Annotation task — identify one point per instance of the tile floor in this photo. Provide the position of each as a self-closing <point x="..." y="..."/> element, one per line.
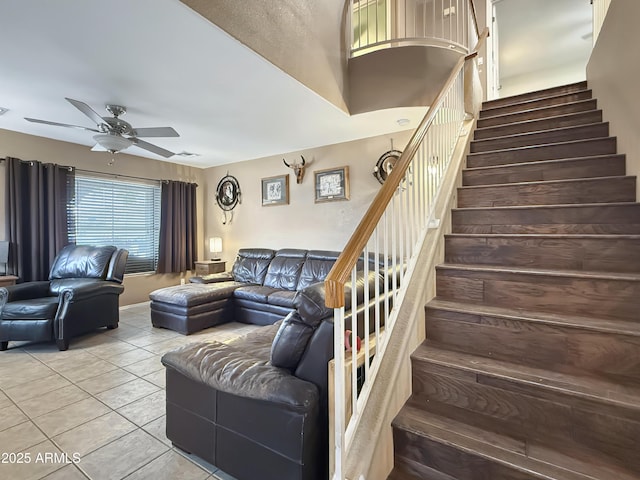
<point x="97" y="410"/>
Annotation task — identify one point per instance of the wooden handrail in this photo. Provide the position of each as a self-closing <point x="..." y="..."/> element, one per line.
<point x="339" y="274"/>
<point x="475" y="18"/>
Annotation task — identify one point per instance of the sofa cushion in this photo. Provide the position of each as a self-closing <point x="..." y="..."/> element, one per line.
<point x="316" y="267"/>
<point x="290" y="342"/>
<point x="255" y="293"/>
<point x="284" y="298"/>
<point x="194" y="294"/>
<point x="284" y="270"/>
<point x="230" y="370"/>
<point x="251" y="265"/>
<point x="43" y="308"/>
<point x="82" y="261"/>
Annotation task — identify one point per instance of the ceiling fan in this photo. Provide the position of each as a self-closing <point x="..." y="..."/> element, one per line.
<point x="113" y="133"/>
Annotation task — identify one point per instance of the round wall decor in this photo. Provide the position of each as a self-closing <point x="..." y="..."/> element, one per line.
<point x="228" y="193"/>
<point x="385" y="164"/>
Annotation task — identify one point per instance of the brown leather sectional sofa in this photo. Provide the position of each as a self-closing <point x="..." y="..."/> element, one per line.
<point x="258" y="407"/>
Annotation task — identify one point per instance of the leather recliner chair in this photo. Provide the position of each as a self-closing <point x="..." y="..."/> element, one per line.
<point x="82" y="294"/>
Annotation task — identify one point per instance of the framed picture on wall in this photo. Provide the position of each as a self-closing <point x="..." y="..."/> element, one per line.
<point x="275" y="190"/>
<point x="332" y="184"/>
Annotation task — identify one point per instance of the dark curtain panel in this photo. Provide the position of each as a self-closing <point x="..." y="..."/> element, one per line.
<point x="178" y="243"/>
<point x="36" y="203"/>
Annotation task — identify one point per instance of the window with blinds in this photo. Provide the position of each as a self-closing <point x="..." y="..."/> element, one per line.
<point x="124" y="213"/>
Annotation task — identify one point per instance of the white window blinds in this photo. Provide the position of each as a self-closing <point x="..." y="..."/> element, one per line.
<point x="124" y="213"/>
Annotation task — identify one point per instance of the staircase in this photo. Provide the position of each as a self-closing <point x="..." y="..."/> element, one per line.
<point x="531" y="366"/>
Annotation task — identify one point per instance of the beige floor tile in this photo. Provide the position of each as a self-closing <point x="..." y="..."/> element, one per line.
<point x="197" y="460"/>
<point x="44" y="458"/>
<point x="127" y="358"/>
<point x="71" y="416"/>
<point x="158" y="378"/>
<point x="123" y="331"/>
<point x="11" y="416"/>
<point x="86" y="370"/>
<point x="145" y="367"/>
<point x="37" y="388"/>
<point x="124" y="394"/>
<point x="158" y="428"/>
<point x="94" y="434"/>
<point x="169" y="466"/>
<point x="106" y="381"/>
<point x="149" y="339"/>
<point x="146" y="409"/>
<point x="161" y="348"/>
<point x="34" y="407"/>
<point x="70" y="472"/>
<point x="123" y="456"/>
<point x="20" y="437"/>
<point x="5" y="401"/>
<point x="110" y="348"/>
<point x="69" y="358"/>
<point x="23" y="374"/>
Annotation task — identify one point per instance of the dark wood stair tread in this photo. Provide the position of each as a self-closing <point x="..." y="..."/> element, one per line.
<point x="533" y="147"/>
<point x="485" y="444"/>
<point x="546" y="182"/>
<point x="543" y="93"/>
<point x="602" y="325"/>
<point x="535" y="103"/>
<point x="483" y="133"/>
<point x="500" y="448"/>
<point x="537" y="113"/>
<point x="542" y="137"/>
<point x="546" y="163"/>
<point x="595" y="389"/>
<point x="633" y="277"/>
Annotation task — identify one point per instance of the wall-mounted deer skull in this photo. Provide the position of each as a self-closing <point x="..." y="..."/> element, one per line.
<point x="298" y="169"/>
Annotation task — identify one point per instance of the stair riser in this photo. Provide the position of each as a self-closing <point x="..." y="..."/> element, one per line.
<point x="608" y="190"/>
<point x="534" y="343"/>
<point x="581" y="148"/>
<point x="571" y="120"/>
<point x="541" y="171"/>
<point x="544" y="102"/>
<point x="450" y="461"/>
<point x="528" y="417"/>
<point x="591" y="254"/>
<point x="608" y="298"/>
<point x="546" y="112"/>
<point x="550" y="92"/>
<point x="582" y="132"/>
<point x="405" y="469"/>
<point x="607" y="219"/>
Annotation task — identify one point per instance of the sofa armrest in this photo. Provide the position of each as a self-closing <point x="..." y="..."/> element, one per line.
<point x="213" y="278"/>
<point x="229" y="370"/>
<point x="86" y="291"/>
<point x="25" y="291"/>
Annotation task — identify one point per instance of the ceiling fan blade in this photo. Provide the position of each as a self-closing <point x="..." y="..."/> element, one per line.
<point x="152" y="148"/>
<point x="155" y="132"/>
<point x="46" y="122"/>
<point x="87" y="110"/>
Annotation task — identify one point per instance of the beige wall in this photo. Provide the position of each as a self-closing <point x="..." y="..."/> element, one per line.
<point x="28" y="147"/>
<point x="303" y="223"/>
<point x="304" y="39"/>
<point x="613" y="72"/>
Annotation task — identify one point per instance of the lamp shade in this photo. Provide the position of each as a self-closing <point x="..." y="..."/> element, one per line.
<point x="215" y="246"/>
<point x="112" y="143"/>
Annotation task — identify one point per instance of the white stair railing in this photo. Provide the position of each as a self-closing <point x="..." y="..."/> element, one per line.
<point x="381" y="256"/>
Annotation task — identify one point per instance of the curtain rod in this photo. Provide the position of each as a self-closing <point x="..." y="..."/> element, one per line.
<point x="116" y="175"/>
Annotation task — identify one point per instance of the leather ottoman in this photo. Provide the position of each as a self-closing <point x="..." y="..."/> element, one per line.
<point x="193" y="307"/>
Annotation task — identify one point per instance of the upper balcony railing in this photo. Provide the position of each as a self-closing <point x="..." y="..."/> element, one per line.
<point x="376" y="24"/>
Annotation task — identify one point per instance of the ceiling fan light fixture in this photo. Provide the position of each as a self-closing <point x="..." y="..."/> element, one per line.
<point x="112" y="143"/>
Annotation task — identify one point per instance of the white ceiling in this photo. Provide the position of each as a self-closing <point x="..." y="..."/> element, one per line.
<point x="227" y="103"/>
<point x="540" y="35"/>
